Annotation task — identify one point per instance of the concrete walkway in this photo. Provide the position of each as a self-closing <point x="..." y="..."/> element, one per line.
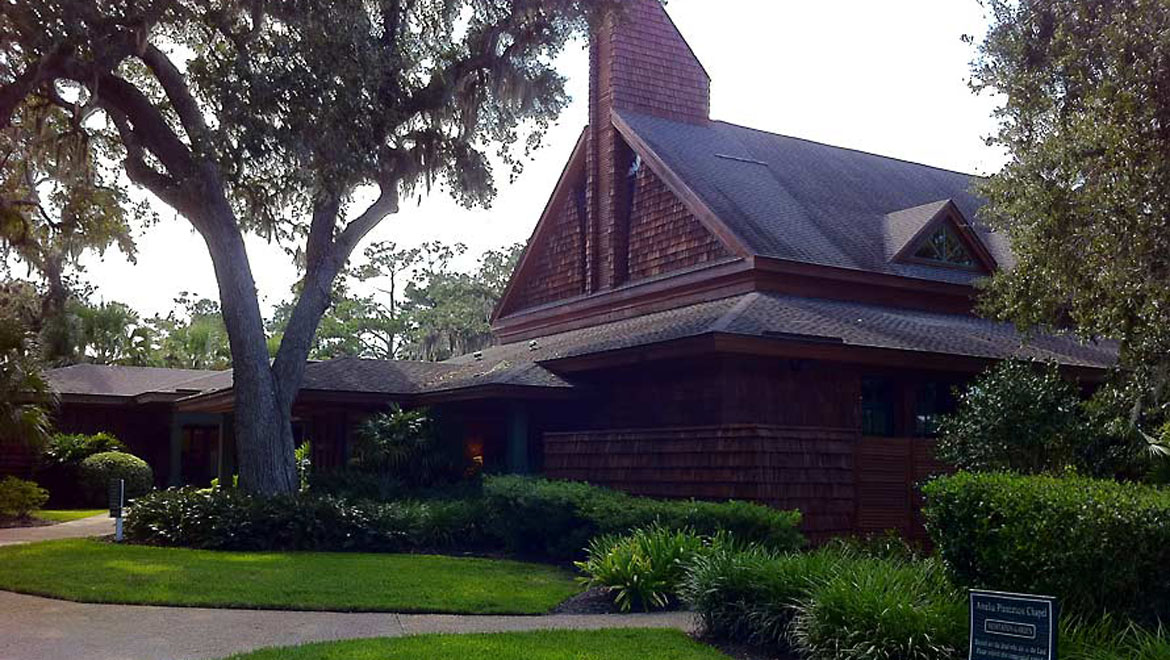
<point x="33" y="628"/>
<point x="99" y="525"/>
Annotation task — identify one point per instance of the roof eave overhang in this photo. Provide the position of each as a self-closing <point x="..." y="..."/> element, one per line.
<point x="828" y="349"/>
<point x="94" y="399"/>
<point x="498" y="391"/>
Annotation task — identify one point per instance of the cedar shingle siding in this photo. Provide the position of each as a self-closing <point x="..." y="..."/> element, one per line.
<point x="556" y="271"/>
<point x="664" y="234"/>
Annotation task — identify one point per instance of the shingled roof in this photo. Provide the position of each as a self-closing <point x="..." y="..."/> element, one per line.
<point x="849" y="324"/>
<point x="808" y="202"/>
<point x="129" y="382"/>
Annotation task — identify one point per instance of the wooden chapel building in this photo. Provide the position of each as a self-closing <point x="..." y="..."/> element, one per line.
<point x="703" y="310"/>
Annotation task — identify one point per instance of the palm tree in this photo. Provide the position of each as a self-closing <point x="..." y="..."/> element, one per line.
<point x="26" y="398"/>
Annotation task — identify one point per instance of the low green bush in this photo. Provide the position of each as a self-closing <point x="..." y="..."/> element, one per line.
<point x="1100" y="546"/>
<point x="750" y="595"/>
<point x="882" y="610"/>
<point x="644" y="568"/>
<point x="60" y="468"/>
<point x="20" y="497"/>
<point x="523" y="515"/>
<point x="219" y="519"/>
<point x="98" y="470"/>
<point x="557" y="519"/>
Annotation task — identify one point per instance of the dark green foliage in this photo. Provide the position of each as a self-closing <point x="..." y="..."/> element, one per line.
<point x="1098" y="545"/>
<point x="557" y="519"/>
<point x="1016" y="416"/>
<point x="354" y="484"/>
<point x="60" y="468"/>
<point x="882" y="610"/>
<point x="404" y="445"/>
<point x="20" y="497"/>
<point x="229" y="519"/>
<point x="76" y="447"/>
<point x="215" y="519"/>
<point x="1085" y="193"/>
<point x="750" y="595"/>
<point x="643" y="569"/>
<point x="270" y="117"/>
<point x="26" y="397"/>
<point x="98" y="470"/>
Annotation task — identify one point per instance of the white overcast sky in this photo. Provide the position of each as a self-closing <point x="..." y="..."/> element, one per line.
<point x="887" y="77"/>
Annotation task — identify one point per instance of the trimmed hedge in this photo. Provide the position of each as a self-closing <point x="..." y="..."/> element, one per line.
<point x="1100" y="546"/>
<point x="522" y="515"/>
<point x="216" y="519"/>
<point x="557" y="519"/>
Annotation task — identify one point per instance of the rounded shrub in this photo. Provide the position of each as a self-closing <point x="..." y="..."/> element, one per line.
<point x="97" y="471"/>
<point x="20" y="497"/>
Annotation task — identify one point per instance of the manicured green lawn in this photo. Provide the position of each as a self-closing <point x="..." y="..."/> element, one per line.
<point x="621" y="644"/>
<point x="65" y="515"/>
<point x="97" y="572"/>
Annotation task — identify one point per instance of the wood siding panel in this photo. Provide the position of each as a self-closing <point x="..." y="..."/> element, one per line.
<point x="810" y="469"/>
<point x="17" y="461"/>
<point x="889" y="475"/>
<point x="557" y="270"/>
<point x="664" y="235"/>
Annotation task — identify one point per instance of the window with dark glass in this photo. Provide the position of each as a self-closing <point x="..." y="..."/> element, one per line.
<point x="877" y="407"/>
<point x="931" y="402"/>
<point x="944" y="247"/>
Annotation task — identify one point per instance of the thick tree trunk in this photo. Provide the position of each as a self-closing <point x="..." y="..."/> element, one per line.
<point x="263" y="420"/>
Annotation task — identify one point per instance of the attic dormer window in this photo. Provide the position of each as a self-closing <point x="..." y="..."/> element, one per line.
<point x="944" y="247"/>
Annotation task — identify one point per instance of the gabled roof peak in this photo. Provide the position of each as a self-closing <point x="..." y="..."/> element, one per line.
<point x="937" y="234"/>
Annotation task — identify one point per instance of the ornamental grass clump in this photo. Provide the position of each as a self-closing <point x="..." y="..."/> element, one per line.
<point x="1109" y="638"/>
<point x="750" y="595"/>
<point x="881" y="610"/>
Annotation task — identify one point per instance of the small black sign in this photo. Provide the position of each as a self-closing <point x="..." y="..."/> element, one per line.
<point x="117" y="493"/>
<point x="1013" y="626"/>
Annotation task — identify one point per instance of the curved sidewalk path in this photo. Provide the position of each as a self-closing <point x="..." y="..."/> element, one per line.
<point x="34" y="628"/>
<point x="99" y="525"/>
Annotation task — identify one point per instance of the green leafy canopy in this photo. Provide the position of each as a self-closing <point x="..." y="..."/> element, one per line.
<point x="1084" y="117"/>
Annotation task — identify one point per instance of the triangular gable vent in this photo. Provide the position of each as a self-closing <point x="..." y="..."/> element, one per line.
<point x="936" y="234"/>
<point x="944" y="247"/>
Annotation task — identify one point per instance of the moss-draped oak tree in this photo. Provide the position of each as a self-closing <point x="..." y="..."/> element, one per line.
<point x="277" y="116"/>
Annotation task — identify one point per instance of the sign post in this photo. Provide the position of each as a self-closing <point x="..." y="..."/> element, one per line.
<point x="117" y="492"/>
<point x="1006" y="626"/>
